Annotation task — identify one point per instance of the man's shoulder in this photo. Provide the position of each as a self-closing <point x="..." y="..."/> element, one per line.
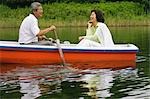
<point x="30" y="17"/>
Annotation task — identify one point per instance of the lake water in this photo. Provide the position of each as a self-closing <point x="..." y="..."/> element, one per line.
<point x="56" y="82"/>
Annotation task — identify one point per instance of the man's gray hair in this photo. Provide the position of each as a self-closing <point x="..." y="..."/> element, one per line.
<point x="34" y="6"/>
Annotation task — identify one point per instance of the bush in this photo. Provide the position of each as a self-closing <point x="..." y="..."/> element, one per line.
<point x="72" y="14"/>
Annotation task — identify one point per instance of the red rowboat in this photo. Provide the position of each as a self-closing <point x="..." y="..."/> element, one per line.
<point x="119" y="54"/>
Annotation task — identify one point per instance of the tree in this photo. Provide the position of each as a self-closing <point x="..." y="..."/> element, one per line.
<point x="146" y="5"/>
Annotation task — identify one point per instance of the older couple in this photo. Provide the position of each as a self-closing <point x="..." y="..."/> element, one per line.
<point x="97" y="33"/>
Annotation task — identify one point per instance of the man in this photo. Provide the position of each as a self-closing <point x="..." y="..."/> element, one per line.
<point x="29" y="32"/>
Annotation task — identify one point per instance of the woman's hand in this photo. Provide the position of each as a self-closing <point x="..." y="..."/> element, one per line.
<point x="81" y="37"/>
<point x="89" y="24"/>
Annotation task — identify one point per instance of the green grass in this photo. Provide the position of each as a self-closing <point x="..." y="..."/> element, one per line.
<point x="75" y="14"/>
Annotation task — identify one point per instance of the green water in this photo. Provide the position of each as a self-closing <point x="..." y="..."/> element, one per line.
<point x="89" y="84"/>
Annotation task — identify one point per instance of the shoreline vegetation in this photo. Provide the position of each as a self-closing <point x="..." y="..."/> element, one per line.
<point x="76" y="14"/>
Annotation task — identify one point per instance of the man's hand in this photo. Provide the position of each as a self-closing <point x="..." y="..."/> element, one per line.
<point x="52" y="28"/>
<point x="40" y="38"/>
<point x="44" y="31"/>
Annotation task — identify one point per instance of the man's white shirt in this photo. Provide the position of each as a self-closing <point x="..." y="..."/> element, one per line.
<point x="29" y="29"/>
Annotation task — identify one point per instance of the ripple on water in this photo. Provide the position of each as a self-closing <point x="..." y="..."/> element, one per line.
<point x="141" y="59"/>
<point x="96" y="83"/>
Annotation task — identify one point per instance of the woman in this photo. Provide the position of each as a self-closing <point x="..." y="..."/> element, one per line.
<point x="97" y="33"/>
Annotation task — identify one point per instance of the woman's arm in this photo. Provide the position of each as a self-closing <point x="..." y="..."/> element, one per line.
<point x="104" y="35"/>
<point x="91" y="35"/>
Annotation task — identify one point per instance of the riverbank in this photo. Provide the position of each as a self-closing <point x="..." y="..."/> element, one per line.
<point x="75" y="14"/>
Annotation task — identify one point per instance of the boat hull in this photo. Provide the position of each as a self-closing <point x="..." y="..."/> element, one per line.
<point x="34" y="55"/>
<point x="38" y="57"/>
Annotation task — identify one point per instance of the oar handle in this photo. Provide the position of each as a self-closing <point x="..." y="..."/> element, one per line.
<point x="56" y="36"/>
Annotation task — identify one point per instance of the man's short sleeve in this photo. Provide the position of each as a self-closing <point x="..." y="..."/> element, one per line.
<point x="34" y="28"/>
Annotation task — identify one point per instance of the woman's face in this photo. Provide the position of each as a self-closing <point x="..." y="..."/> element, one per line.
<point x="93" y="17"/>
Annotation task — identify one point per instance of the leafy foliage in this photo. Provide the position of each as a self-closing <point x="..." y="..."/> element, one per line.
<point x="23" y="3"/>
<point x="76" y="13"/>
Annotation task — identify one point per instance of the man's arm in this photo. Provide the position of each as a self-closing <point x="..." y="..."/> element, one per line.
<point x="43" y="32"/>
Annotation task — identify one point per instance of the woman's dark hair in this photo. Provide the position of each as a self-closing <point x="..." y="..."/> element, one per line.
<point x="99" y="15"/>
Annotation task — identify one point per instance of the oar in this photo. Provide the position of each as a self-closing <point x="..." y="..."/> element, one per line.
<point x="61" y="53"/>
<point x="60" y="49"/>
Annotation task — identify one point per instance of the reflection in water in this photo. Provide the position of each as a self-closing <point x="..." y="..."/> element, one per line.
<point x="92" y="83"/>
<point x="141" y="59"/>
<point x="32" y="81"/>
<point x="29" y="88"/>
<point x="105" y="84"/>
<point x="99" y="84"/>
<point x="53" y="81"/>
<point x="130" y="84"/>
